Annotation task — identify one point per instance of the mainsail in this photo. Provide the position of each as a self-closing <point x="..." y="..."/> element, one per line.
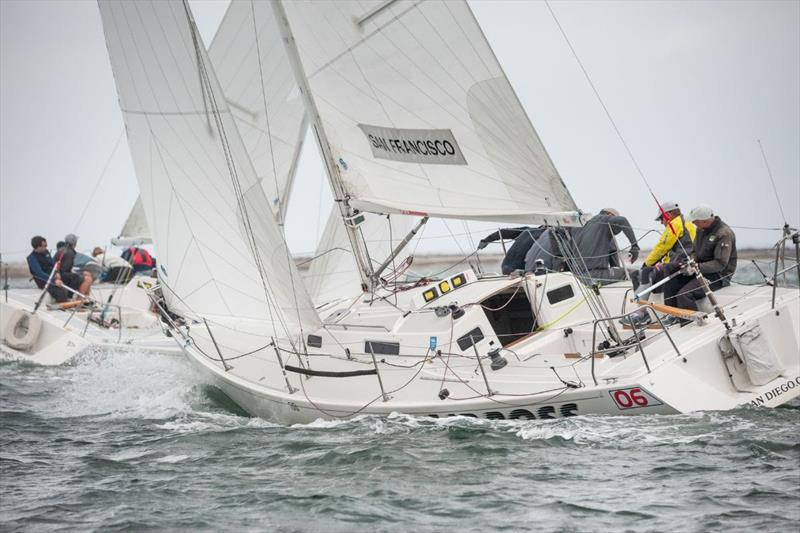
<point x="420" y="117"/>
<point x="221" y="253"/>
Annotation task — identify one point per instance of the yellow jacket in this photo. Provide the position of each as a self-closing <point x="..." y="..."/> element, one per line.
<point x="668" y="241"/>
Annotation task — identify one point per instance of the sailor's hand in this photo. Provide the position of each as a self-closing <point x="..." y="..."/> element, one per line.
<point x="59" y="283"/>
<point x="633" y="253"/>
<point x="687" y="270"/>
<point x="482" y="245"/>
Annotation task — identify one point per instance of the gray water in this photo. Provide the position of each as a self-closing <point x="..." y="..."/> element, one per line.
<point x="132" y="441"/>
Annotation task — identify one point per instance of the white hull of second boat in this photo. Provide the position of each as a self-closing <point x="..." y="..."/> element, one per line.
<point x="65" y="334"/>
<point x="546" y="377"/>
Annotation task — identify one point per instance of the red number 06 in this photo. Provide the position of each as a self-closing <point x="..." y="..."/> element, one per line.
<point x="626" y="400"/>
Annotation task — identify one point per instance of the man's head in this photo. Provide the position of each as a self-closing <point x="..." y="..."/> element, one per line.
<point x="60" y="245"/>
<point x="97" y="251"/>
<point x="671" y="209"/>
<point x="39" y="243"/>
<point x="71" y="239"/>
<point x="702" y="216"/>
<point x="609" y="211"/>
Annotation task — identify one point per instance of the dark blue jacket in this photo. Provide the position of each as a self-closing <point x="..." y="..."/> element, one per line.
<point x="40" y="266"/>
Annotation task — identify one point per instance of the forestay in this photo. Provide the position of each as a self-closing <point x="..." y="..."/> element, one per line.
<point x="220" y="250"/>
<point x="420" y="116"/>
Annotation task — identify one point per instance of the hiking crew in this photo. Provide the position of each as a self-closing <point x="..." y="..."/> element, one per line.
<point x="515" y="255"/>
<point x="597" y="248"/>
<point x="78" y="282"/>
<point x="674" y="246"/>
<point x="716" y="257"/>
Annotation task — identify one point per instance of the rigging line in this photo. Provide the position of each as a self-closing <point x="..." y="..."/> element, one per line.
<point x="266" y="117"/>
<point x="275" y="177"/>
<point x="99" y="180"/>
<point x="564" y="244"/>
<point x="599" y="99"/>
<point x="238" y="193"/>
<point x="391" y="251"/>
<point x="772" y="180"/>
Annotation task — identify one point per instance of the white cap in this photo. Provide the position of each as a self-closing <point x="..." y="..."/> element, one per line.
<point x="701" y="212"/>
<point x="666" y="207"/>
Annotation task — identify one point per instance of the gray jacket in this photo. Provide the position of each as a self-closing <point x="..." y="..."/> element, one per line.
<point x="595" y="240"/>
<point x="542" y="248"/>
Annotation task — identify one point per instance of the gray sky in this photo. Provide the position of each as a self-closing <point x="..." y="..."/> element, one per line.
<point x="691" y="85"/>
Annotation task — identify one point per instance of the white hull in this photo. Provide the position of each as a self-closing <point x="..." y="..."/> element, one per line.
<point x="693" y="378"/>
<point x="65" y="334"/>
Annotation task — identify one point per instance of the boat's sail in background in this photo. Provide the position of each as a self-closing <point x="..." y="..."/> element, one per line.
<point x="419" y="114"/>
<point x="135" y="231"/>
<point x="219" y="247"/>
<point x="333" y="274"/>
<point x="257" y="80"/>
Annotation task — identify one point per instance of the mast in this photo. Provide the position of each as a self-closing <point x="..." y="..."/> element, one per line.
<point x="337" y="184"/>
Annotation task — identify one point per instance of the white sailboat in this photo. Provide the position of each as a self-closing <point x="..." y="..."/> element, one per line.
<point x="122" y="316"/>
<point x="402" y="130"/>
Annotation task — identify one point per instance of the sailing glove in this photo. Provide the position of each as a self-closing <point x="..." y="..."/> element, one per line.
<point x="633" y="253"/>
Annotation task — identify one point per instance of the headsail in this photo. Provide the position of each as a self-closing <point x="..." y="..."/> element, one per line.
<point x="333" y="273"/>
<point x="420" y="117"/>
<point x="220" y="250"/>
<point x="257" y="80"/>
<point x="135" y="231"/>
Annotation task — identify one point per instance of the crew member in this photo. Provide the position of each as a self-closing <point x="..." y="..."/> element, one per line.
<point x="715" y="255"/>
<point x="40" y="265"/>
<point x="115" y="269"/>
<point x="140" y="258"/>
<point x="546" y="252"/>
<point x="515" y="255"/>
<point x="79" y="282"/>
<point x="675" y="245"/>
<point x="597" y="248"/>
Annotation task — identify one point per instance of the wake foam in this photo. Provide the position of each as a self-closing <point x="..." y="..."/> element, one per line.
<point x="127" y="384"/>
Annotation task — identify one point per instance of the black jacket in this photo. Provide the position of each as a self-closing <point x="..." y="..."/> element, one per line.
<point x="523" y="240"/>
<point x="715" y="249"/>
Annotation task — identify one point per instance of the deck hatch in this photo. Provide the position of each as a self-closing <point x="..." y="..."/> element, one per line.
<point x="382" y="347"/>
<point x="560" y="294"/>
<point x="315" y="341"/>
<point x="471" y="337"/>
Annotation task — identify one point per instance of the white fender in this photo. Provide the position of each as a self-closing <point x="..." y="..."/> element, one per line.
<point x="22" y="330"/>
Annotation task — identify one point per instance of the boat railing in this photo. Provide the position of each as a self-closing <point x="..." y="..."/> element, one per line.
<point x="636" y="337"/>
<point x="780" y="257"/>
<point x="91" y="314"/>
